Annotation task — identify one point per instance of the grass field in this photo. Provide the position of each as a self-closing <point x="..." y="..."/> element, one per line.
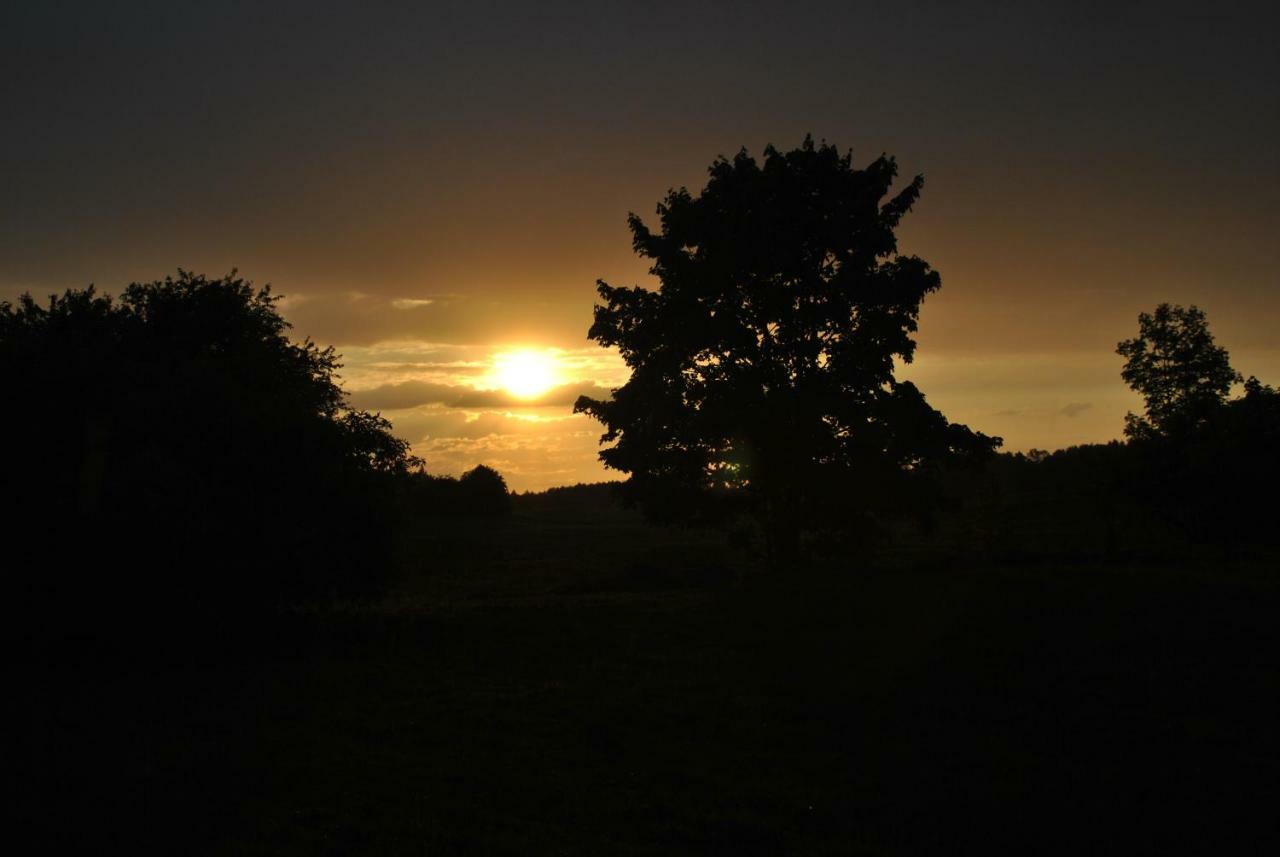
<point x="575" y="682"/>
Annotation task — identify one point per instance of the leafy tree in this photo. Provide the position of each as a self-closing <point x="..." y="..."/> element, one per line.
<point x="175" y="449"/>
<point x="1204" y="463"/>
<point x="762" y="369"/>
<point x="485" y="491"/>
<point x="1179" y="370"/>
<point x="480" y="492"/>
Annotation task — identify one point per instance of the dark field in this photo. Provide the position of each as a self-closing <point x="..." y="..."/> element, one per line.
<point x="570" y="681"/>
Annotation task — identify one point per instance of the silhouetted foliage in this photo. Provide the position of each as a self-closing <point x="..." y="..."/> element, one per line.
<point x="1203" y="463"/>
<point x="584" y="501"/>
<point x="485" y="491"/>
<point x="1249" y="438"/>
<point x="174" y="449"/>
<point x="480" y="492"/>
<point x="1075" y="504"/>
<point x="762" y="369"/>
<point x="1216" y="482"/>
<point x="1179" y="370"/>
<point x="1197" y="470"/>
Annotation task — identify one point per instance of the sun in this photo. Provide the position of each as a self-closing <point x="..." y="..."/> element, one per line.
<point x="525" y="374"/>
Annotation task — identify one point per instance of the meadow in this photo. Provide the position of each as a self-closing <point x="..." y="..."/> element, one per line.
<point x="571" y="680"/>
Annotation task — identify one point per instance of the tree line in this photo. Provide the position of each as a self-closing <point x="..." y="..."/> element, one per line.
<point x="176" y="447"/>
<point x="762" y="386"/>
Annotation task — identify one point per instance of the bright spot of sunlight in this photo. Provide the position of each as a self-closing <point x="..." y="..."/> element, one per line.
<point x="525" y="373"/>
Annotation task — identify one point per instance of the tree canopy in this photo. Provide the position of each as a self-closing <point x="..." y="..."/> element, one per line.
<point x="1183" y="375"/>
<point x="1202" y="461"/>
<point x="763" y="365"/>
<point x="179" y="435"/>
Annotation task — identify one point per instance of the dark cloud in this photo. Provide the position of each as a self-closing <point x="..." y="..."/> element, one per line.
<point x="407" y="394"/>
<point x="433" y="424"/>
<point x="429" y="365"/>
<point x="410" y="394"/>
<point x="362" y="319"/>
<point x="1073" y="409"/>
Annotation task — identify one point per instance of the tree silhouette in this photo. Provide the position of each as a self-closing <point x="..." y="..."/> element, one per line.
<point x="484" y="491"/>
<point x="176" y="449"/>
<point x="1203" y="463"/>
<point x="1179" y="370"/>
<point x="763" y="366"/>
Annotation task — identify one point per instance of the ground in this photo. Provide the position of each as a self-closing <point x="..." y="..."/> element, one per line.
<point x="575" y="682"/>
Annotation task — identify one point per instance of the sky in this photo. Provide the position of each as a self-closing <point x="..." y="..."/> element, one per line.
<point x="434" y="188"/>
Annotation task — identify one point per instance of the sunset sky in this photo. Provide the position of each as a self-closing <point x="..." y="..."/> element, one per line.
<point x="436" y="187"/>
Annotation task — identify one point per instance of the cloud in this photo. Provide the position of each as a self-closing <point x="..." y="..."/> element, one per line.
<point x="406" y="394"/>
<point x="412" y="368"/>
<point x="356" y="318"/>
<point x="428" y="390"/>
<point x="366" y="366"/>
<point x="410" y="394"/>
<point x="434" y="423"/>
<point x="1073" y="409"/>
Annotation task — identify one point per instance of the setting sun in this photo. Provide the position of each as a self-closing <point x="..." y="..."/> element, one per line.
<point x="525" y="374"/>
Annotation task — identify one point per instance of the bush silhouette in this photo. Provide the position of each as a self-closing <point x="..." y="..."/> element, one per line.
<point x="485" y="491"/>
<point x="762" y="369"/>
<point x="174" y="451"/>
<point x="480" y="492"/>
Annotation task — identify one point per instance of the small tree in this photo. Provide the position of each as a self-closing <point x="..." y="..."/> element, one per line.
<point x="484" y="491"/>
<point x="1205" y="464"/>
<point x="1179" y="370"/>
<point x="762" y="368"/>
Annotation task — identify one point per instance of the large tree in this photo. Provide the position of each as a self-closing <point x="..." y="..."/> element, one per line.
<point x="1182" y="374"/>
<point x="762" y="367"/>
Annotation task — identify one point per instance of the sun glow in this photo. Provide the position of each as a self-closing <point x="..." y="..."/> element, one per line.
<point x="525" y="374"/>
